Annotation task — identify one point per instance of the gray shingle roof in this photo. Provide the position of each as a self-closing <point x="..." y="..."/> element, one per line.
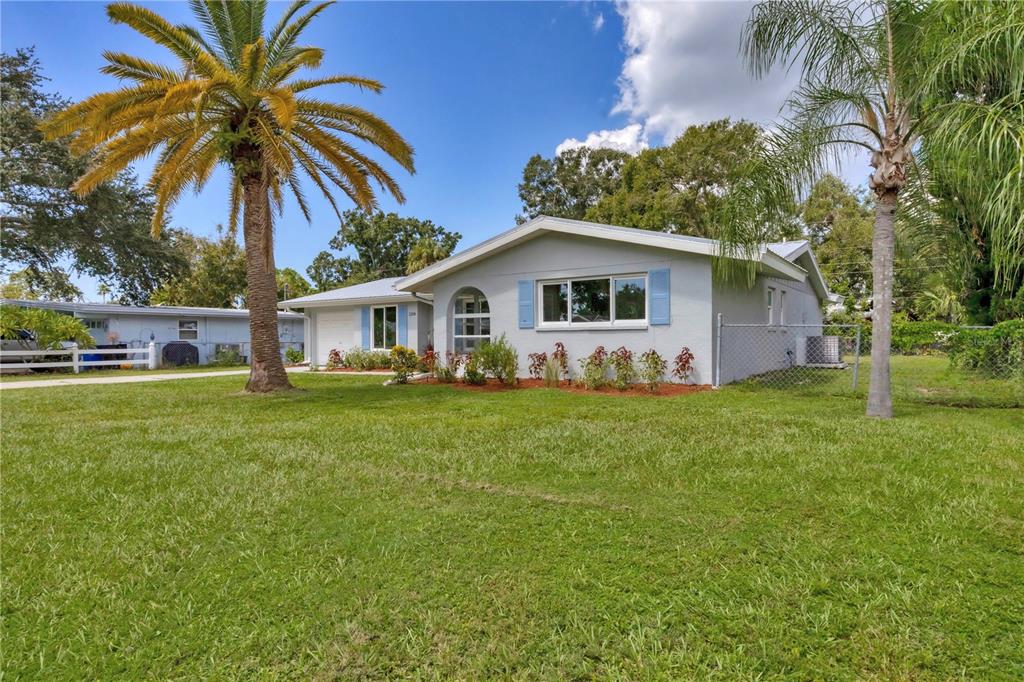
<point x="378" y="289"/>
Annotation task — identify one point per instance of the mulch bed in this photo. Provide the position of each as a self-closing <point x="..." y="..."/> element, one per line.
<point x="349" y="369"/>
<point x="493" y="386"/>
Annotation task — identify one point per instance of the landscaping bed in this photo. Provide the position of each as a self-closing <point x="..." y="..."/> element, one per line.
<point x="493" y="385"/>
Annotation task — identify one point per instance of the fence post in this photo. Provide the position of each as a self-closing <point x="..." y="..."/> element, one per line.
<point x="74" y="360"/>
<point x="152" y="355"/>
<point x="856" y="359"/>
<point x="718" y="354"/>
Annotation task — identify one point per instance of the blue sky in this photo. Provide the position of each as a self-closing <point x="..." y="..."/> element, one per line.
<point x="477" y="88"/>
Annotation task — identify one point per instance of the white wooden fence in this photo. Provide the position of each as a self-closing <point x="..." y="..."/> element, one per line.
<point x="14" y="359"/>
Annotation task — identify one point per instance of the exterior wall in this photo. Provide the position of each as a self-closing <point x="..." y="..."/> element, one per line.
<point x="424" y="327"/>
<point x="551" y="256"/>
<point x="747" y="351"/>
<point x="137" y="330"/>
<point x="341" y="327"/>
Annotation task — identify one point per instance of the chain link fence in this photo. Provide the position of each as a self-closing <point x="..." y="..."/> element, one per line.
<point x="790" y="356"/>
<point x="955" y="366"/>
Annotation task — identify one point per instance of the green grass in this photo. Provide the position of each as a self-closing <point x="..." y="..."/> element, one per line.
<point x="115" y="372"/>
<point x="182" y="530"/>
<point x="924" y="379"/>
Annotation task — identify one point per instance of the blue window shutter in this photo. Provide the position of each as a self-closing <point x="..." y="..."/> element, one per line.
<point x="403" y="325"/>
<point x="526" y="304"/>
<point x="661" y="311"/>
<point x="365" y="311"/>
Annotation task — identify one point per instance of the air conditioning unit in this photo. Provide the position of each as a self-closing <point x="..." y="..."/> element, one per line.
<point x="823" y="351"/>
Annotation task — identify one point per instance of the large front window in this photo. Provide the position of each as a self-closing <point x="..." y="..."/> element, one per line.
<point x="594" y="301"/>
<point x="385" y="327"/>
<point x="472" y="321"/>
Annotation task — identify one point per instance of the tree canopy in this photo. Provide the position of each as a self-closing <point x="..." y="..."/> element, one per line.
<point x="385" y="244"/>
<point x="570" y="184"/>
<point x="676" y="189"/>
<point x="290" y="284"/>
<point x="45" y="225"/>
<point x="214" y="276"/>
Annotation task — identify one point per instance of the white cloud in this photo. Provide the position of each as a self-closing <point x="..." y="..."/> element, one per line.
<point x="683" y="67"/>
<point x="630" y="139"/>
<point x="598" y="21"/>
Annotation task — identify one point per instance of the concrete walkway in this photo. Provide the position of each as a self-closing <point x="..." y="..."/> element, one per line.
<point x="122" y="379"/>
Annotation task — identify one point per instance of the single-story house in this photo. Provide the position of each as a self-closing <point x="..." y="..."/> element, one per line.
<point x="578" y="283"/>
<point x="374" y="316"/>
<point x="207" y="329"/>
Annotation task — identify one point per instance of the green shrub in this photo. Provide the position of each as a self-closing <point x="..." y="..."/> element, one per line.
<point x="474" y="373"/>
<point x="294" y="355"/>
<point x="364" y="360"/>
<point x="625" y="371"/>
<point x="403" y="362"/>
<point x="999" y="350"/>
<point x="652" y="369"/>
<point x="593" y="369"/>
<point x="499" y="359"/>
<point x="226" y="357"/>
<point x="49" y="328"/>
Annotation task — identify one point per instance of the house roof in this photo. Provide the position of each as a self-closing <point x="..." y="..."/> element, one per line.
<point x="377" y="291"/>
<point x="801" y="253"/>
<point x="770" y="261"/>
<point x="115" y="309"/>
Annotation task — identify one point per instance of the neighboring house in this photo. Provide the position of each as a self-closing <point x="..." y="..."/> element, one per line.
<point x="584" y="285"/>
<point x="373" y="316"/>
<point x="208" y="329"/>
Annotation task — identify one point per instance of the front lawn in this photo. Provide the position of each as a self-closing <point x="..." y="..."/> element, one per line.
<point x="350" y="530"/>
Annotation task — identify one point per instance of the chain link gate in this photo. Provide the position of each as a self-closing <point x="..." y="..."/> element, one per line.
<point x="820" y="357"/>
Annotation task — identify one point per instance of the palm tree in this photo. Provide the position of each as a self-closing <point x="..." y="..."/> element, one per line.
<point x="870" y="79"/>
<point x="234" y="98"/>
<point x="103" y="290"/>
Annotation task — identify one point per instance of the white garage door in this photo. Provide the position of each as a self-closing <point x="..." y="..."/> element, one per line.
<point x="334" y="329"/>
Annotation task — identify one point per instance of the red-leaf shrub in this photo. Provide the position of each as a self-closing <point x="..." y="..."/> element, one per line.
<point x="683" y="365"/>
<point x="429" y="359"/>
<point x="333" y="358"/>
<point x="537" y="362"/>
<point x="561" y="357"/>
<point x="622" y="363"/>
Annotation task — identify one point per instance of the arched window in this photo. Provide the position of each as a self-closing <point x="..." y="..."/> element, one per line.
<point x="472" y="320"/>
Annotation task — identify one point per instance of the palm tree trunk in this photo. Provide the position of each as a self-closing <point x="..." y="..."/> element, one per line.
<point x="883" y="247"/>
<point x="267" y="370"/>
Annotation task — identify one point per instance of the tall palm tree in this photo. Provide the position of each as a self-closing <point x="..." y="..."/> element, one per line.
<point x="870" y="76"/>
<point x="234" y="98"/>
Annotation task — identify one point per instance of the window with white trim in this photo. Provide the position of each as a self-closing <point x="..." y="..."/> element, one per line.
<point x="385" y="327"/>
<point x="94" y="324"/>
<point x="782" y="306"/>
<point x="771" y="305"/>
<point x="471" y="321"/>
<point x="188" y="330"/>
<point x="594" y="301"/>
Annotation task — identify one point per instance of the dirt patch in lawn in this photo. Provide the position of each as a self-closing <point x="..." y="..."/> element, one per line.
<point x="493" y="386"/>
